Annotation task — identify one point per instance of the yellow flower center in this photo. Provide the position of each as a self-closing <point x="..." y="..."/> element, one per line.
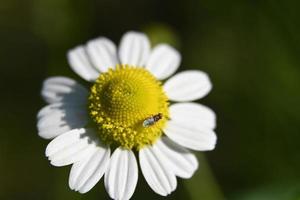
<point x="129" y="107"/>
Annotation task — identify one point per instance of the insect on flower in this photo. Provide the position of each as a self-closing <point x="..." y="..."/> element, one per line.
<point x="122" y="83"/>
<point x="152" y="120"/>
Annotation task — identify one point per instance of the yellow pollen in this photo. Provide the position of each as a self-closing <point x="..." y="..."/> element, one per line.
<point x="122" y="101"/>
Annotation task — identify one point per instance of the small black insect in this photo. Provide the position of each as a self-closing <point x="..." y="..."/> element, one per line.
<point x="152" y="120"/>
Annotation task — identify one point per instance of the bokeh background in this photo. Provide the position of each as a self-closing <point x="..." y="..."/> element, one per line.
<point x="250" y="49"/>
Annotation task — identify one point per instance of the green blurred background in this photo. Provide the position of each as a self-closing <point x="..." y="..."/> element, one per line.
<point x="250" y="49"/>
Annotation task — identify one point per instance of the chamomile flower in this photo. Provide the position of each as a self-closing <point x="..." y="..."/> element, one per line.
<point x="127" y="111"/>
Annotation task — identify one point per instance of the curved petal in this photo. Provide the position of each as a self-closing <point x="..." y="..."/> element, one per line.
<point x="193" y="113"/>
<point x="103" y="53"/>
<point x="86" y="173"/>
<point x="61" y="89"/>
<point x="182" y="162"/>
<point x="122" y="175"/>
<point x="159" y="177"/>
<point x="191" y="136"/>
<point x="80" y="63"/>
<point x="134" y="49"/>
<point x="70" y="147"/>
<point x="164" y="60"/>
<point x="188" y="86"/>
<point x="59" y="118"/>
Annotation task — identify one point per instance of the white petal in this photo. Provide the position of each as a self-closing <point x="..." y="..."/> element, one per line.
<point x="193" y="113"/>
<point x="134" y="49"/>
<point x="164" y="60"/>
<point x="80" y="63"/>
<point x="71" y="147"/>
<point x="62" y="89"/>
<point x="122" y="175"/>
<point x="59" y="118"/>
<point x="103" y="53"/>
<point x="159" y="177"/>
<point x="86" y="173"/>
<point x="188" y="86"/>
<point x="191" y="136"/>
<point x="181" y="161"/>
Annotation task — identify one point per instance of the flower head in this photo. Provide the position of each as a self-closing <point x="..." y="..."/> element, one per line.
<point x="126" y="109"/>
